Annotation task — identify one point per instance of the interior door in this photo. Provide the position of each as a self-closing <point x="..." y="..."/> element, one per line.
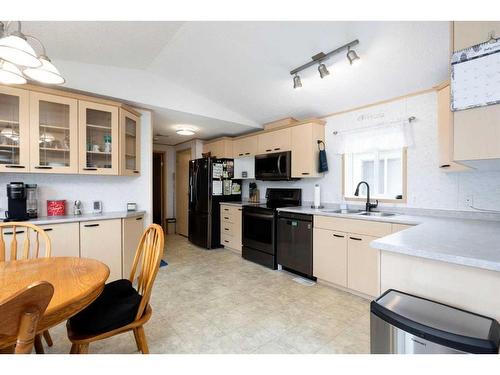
<point x="182" y="191"/>
<point x="158" y="190"/>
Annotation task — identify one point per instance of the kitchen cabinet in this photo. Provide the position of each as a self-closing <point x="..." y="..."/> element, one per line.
<point x="130" y="144"/>
<point x="14" y="129"/>
<point x="247" y="146"/>
<point x="64" y="239"/>
<point x="132" y="229"/>
<point x="274" y="141"/>
<point x="476" y="130"/>
<point x="304" y="144"/>
<point x="363" y="265"/>
<point x="102" y="240"/>
<point x="231" y="227"/>
<point x="445" y="133"/>
<point x="221" y="148"/>
<point x="330" y="256"/>
<point x="53" y="133"/>
<point x="98" y="138"/>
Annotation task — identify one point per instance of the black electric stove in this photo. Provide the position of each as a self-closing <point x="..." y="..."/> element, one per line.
<point x="259" y="225"/>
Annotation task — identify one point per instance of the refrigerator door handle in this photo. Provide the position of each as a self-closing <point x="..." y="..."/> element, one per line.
<point x="279" y="164"/>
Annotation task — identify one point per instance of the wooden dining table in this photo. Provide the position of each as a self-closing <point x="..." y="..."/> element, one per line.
<point x="77" y="282"/>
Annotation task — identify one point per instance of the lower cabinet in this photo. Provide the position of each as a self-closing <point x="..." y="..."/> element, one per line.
<point x="230" y="227"/>
<point x="64" y="239"/>
<point x="132" y="229"/>
<point x="363" y="265"/>
<point x="330" y="256"/>
<point x="102" y="240"/>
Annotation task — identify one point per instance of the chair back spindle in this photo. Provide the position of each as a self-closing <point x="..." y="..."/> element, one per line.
<point x="30" y="242"/>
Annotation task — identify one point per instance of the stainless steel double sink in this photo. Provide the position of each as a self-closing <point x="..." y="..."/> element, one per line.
<point x="360" y="213"/>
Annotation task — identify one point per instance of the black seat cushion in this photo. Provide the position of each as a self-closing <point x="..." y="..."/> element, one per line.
<point x="115" y="307"/>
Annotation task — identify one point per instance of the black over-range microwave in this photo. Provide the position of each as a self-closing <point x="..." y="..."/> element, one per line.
<point x="273" y="167"/>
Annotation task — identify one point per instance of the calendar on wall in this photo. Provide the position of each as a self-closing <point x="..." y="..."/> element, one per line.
<point x="475" y="76"/>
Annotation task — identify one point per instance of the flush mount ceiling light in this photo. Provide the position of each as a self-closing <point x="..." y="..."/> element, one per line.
<point x="15" y="49"/>
<point x="185" y="131"/>
<point x="320" y="57"/>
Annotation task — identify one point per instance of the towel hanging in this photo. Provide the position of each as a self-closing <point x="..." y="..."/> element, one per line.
<point x="323" y="161"/>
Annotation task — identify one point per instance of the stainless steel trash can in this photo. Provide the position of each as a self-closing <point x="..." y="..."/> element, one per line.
<point x="402" y="323"/>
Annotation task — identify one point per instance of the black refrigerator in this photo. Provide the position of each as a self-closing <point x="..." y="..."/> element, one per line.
<point x="210" y="183"/>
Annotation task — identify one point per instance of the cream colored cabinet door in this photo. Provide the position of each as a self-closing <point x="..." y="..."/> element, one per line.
<point x="305" y="149"/>
<point x="468" y="33"/>
<point x="101" y="240"/>
<point x="53" y="133"/>
<point x="363" y="265"/>
<point x="222" y="148"/>
<point x="330" y="256"/>
<point x="245" y="147"/>
<point x="445" y="133"/>
<point x="132" y="229"/>
<point x="98" y="138"/>
<point x="64" y="239"/>
<point x="274" y="141"/>
<point x="130" y="144"/>
<point x="14" y="130"/>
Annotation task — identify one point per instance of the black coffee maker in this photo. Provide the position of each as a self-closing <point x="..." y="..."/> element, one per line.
<point x="16" y="194"/>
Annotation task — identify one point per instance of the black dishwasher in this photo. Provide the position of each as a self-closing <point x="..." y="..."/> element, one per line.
<point x="295" y="243"/>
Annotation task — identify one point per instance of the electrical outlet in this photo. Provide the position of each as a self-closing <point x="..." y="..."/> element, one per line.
<point x="469" y="200"/>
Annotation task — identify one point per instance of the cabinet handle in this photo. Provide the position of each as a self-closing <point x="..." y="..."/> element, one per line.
<point x="17" y="232"/>
<point x="356" y="238"/>
<point x="305" y="173"/>
<point x="445" y="166"/>
<point x="90" y="169"/>
<point x="239" y="209"/>
<point x="226" y="218"/>
<point x="226" y="228"/>
<point x="15" y="166"/>
<point x="247" y="153"/>
<point x="43" y="167"/>
<point x="241" y="154"/>
<point x="338" y="236"/>
<point x="91" y="225"/>
<point x="48" y="229"/>
<point x="226" y="209"/>
<point x="277" y="149"/>
<point x="139" y="218"/>
<point x="269" y="150"/>
<point x="226" y="241"/>
<point x="136" y="171"/>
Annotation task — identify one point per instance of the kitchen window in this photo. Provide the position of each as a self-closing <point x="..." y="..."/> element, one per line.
<point x="384" y="170"/>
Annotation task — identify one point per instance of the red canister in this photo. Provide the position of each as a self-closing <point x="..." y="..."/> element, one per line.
<point x="56" y="208"/>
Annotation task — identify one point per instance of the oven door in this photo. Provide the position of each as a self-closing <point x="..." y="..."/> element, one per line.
<point x="273" y="167"/>
<point x="258" y="229"/>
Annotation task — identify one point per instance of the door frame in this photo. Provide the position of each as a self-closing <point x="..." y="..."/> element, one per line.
<point x="177" y="152"/>
<point x="163" y="188"/>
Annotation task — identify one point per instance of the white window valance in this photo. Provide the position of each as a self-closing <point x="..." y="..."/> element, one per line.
<point x="382" y="136"/>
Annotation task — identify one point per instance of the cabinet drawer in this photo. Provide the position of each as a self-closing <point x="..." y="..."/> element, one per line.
<point x="231" y="214"/>
<point x="227" y="228"/>
<point x="370" y="228"/>
<point x="231" y="242"/>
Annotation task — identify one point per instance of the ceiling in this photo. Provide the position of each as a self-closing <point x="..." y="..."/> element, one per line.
<point x="244" y="66"/>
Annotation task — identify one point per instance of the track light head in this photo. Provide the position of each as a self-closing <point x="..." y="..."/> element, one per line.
<point x="352" y="56"/>
<point x="323" y="72"/>
<point x="297" y="82"/>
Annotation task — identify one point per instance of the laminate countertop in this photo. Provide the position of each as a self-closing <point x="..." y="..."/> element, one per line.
<point x="467" y="242"/>
<point x="44" y="220"/>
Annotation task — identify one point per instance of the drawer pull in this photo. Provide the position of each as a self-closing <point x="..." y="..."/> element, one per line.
<point x="445" y="166"/>
<point x="225" y="217"/>
<point x="226" y="241"/>
<point x="277" y="149"/>
<point x="305" y="173"/>
<point x="338" y="236"/>
<point x="17" y="232"/>
<point x="136" y="171"/>
<point x="91" y="225"/>
<point x="241" y="154"/>
<point x="247" y="153"/>
<point x="138" y="218"/>
<point x="48" y="229"/>
<point x="43" y="167"/>
<point x="226" y="209"/>
<point x="90" y="169"/>
<point x="356" y="238"/>
<point x="226" y="228"/>
<point x="15" y="166"/>
<point x="269" y="150"/>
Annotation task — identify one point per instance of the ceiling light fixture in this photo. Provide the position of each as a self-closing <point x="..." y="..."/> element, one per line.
<point x="320" y="58"/>
<point x="352" y="56"/>
<point x="323" y="72"/>
<point x="15" y="49"/>
<point x="297" y="82"/>
<point x="10" y="74"/>
<point x="185" y="131"/>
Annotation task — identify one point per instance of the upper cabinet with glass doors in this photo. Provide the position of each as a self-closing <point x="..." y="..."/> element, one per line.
<point x="98" y="138"/>
<point x="14" y="130"/>
<point x="130" y="140"/>
<point x="53" y="133"/>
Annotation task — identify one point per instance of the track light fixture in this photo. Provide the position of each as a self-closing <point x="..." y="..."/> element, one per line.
<point x="296" y="82"/>
<point x="320" y="57"/>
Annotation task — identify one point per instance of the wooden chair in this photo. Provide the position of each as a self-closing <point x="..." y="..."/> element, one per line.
<point x="31" y="236"/>
<point x="20" y="315"/>
<point x="146" y="265"/>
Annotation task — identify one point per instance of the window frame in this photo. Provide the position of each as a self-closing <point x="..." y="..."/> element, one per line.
<point x="404" y="164"/>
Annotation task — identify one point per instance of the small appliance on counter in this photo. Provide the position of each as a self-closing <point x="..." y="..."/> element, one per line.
<point x="77" y="208"/>
<point x="56" y="207"/>
<point x="31" y="201"/>
<point x="16" y="195"/>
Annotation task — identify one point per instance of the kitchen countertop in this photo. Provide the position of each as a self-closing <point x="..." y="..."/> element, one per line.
<point x="238" y="204"/>
<point x="44" y="220"/>
<point x="468" y="242"/>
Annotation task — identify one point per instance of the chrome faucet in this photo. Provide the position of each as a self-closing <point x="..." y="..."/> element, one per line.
<point x="369" y="205"/>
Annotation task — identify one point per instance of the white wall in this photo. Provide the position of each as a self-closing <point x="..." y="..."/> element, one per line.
<point x="114" y="191"/>
<point x="428" y="186"/>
